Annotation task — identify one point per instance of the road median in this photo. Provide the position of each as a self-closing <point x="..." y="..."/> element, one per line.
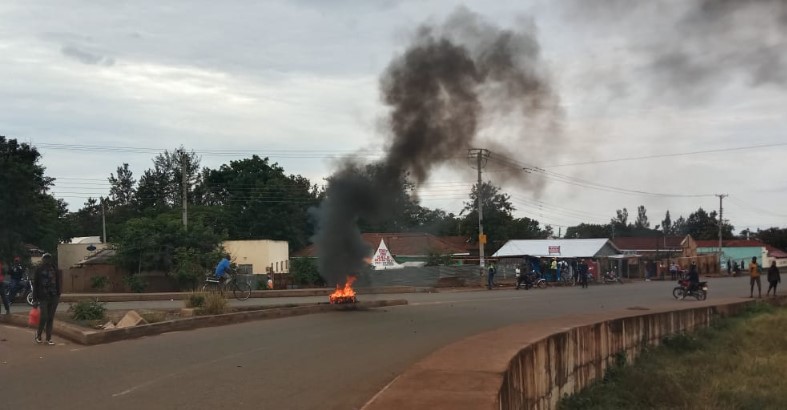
<point x="85" y="336"/>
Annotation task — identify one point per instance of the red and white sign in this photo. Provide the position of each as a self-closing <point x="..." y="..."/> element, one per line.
<point x="554" y="250"/>
<point x="383" y="259"/>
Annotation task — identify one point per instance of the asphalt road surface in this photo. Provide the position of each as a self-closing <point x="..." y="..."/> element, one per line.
<point x="324" y="361"/>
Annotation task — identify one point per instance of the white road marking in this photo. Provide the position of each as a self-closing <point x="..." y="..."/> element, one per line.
<point x="369" y="403"/>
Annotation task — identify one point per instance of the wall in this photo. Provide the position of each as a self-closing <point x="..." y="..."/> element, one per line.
<point x="261" y="254"/>
<point x="69" y="254"/>
<point x="532" y="365"/>
<point x="739" y="253"/>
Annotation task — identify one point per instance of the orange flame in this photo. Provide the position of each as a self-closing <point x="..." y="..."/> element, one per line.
<point x="345" y="294"/>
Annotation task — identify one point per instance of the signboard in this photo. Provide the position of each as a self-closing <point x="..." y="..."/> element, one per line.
<point x="383" y="259"/>
<point x="554" y="250"/>
<point x="482" y="238"/>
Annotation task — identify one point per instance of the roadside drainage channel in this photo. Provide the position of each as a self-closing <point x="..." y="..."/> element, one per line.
<point x="93" y="337"/>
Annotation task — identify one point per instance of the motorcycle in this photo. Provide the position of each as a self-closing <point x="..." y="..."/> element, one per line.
<point x="25" y="290"/>
<point x="611" y="277"/>
<point x="683" y="290"/>
<point x="529" y="280"/>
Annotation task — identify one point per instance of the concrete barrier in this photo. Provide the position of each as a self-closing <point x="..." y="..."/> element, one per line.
<point x="531" y="366"/>
<point x="92" y="337"/>
<point x="133" y="297"/>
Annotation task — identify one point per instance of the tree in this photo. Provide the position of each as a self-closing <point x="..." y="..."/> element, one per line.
<point x="589" y="231"/>
<point x="621" y="218"/>
<point x="161" y="187"/>
<point x="703" y="226"/>
<point x="499" y="223"/>
<point x="121" y="191"/>
<point x="666" y="225"/>
<point x="161" y="244"/>
<point x="642" y="218"/>
<point x="776" y="237"/>
<point x="257" y="200"/>
<point x="87" y="220"/>
<point x="28" y="213"/>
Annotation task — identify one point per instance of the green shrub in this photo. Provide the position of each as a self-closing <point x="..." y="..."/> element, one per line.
<point x="215" y="304"/>
<point x="99" y="282"/>
<point x="136" y="283"/>
<point x="305" y="273"/>
<point x="196" y="300"/>
<point x="153" y="316"/>
<point x="87" y="309"/>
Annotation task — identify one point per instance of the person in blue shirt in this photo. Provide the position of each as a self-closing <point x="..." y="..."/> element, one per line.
<point x="223" y="267"/>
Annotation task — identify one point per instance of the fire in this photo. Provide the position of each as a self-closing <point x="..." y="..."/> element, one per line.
<point x="345" y="294"/>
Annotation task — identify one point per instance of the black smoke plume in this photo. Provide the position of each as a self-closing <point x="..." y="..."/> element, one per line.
<point x="452" y="82"/>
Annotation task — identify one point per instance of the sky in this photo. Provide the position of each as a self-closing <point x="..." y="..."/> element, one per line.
<point x="97" y="84"/>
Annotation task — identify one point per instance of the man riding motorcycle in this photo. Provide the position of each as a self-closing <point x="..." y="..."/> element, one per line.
<point x="693" y="277"/>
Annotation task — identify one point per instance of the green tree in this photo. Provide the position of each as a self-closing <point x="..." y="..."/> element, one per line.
<point x="776" y="237"/>
<point x="259" y="201"/>
<point x="642" y="218"/>
<point x="586" y="231"/>
<point x="122" y="188"/>
<point x="703" y="226"/>
<point x="305" y="273"/>
<point x="161" y="187"/>
<point x="666" y="225"/>
<point x="28" y="213"/>
<point x="160" y="243"/>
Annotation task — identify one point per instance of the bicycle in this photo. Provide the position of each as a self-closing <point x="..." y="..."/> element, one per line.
<point x="241" y="290"/>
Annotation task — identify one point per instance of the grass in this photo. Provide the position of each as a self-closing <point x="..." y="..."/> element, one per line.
<point x="737" y="363"/>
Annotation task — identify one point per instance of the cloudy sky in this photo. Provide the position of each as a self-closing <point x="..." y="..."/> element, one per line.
<point x="97" y="84"/>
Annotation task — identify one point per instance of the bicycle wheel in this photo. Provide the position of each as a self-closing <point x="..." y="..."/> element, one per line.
<point x="211" y="287"/>
<point x="241" y="290"/>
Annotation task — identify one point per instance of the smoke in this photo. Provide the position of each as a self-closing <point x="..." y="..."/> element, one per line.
<point x="450" y="86"/>
<point x="693" y="48"/>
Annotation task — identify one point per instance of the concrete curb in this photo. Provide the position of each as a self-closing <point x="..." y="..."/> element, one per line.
<point x="532" y="365"/>
<point x="93" y="337"/>
<point x="144" y="297"/>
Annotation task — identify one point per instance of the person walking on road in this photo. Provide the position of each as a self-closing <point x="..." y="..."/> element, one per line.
<point x="774" y="277"/>
<point x="6" y="305"/>
<point x="490" y="277"/>
<point x="47" y="287"/>
<point x="754" y="277"/>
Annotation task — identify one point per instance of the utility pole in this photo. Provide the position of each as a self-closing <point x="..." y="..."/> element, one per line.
<point x="721" y="221"/>
<point x="103" y="222"/>
<point x="480" y="155"/>
<point x="183" y="171"/>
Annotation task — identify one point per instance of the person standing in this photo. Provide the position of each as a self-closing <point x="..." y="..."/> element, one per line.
<point x="754" y="277"/>
<point x="47" y="287"/>
<point x="774" y="277"/>
<point x="2" y="292"/>
<point x="490" y="277"/>
<point x="582" y="271"/>
<point x="553" y="269"/>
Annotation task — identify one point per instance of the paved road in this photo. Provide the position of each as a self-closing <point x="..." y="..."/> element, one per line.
<point x="327" y="361"/>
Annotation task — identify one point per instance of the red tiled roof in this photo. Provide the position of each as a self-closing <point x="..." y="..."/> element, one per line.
<point x="401" y="244"/>
<point x="643" y="243"/>
<point x="775" y="252"/>
<point x="730" y="243"/>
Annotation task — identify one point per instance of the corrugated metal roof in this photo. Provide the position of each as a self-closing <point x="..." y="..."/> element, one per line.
<point x="569" y="248"/>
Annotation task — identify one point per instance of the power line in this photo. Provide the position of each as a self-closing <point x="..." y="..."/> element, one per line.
<point x="678" y="154"/>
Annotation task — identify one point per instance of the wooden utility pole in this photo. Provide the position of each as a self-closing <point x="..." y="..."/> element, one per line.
<point x="183" y="171"/>
<point x="480" y="155"/>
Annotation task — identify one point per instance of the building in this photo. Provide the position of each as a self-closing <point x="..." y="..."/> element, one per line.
<point x="259" y="256"/>
<point x="558" y="248"/>
<point x="657" y="247"/>
<point x="405" y="247"/>
<point x="735" y="250"/>
<point x="78" y="249"/>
